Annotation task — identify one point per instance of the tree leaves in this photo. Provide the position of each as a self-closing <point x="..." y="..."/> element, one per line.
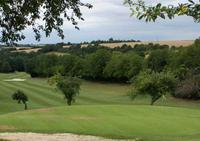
<point x="150" y="13"/>
<point x="17" y="15"/>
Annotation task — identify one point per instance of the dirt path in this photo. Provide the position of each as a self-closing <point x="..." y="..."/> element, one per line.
<point x="50" y="137"/>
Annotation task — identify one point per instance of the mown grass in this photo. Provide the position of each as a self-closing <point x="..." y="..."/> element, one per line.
<point x="41" y="95"/>
<point x="150" y="123"/>
<point x="101" y="109"/>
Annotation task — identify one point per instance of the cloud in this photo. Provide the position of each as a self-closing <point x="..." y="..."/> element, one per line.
<point x="110" y="18"/>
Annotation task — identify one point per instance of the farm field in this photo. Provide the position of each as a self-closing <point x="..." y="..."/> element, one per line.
<point x="101" y="109"/>
<point x="176" y="43"/>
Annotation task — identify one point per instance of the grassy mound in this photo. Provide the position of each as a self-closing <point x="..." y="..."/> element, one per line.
<point x="145" y="122"/>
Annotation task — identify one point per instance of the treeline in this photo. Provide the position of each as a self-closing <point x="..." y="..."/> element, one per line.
<point x="123" y="64"/>
<point x="92" y="48"/>
<point x="92" y="62"/>
<point x="111" y="40"/>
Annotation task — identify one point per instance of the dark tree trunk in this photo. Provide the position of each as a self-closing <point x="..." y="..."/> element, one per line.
<point x="25" y="106"/>
<point x="69" y="103"/>
<point x="154" y="99"/>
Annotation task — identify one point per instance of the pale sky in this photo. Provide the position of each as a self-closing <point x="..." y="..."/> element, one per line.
<point x="110" y="18"/>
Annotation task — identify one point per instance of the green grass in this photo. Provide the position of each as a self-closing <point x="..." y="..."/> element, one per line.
<point x="101" y="109"/>
<point x="149" y="123"/>
<point x="41" y="95"/>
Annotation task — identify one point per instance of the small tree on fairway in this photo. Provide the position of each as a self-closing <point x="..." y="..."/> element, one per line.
<point x="20" y="97"/>
<point x="155" y="84"/>
<point x="69" y="86"/>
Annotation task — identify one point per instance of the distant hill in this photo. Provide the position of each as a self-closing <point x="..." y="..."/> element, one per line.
<point x="176" y="43"/>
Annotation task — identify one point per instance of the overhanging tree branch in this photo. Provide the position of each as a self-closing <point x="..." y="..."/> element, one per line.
<point x="17" y="15"/>
<point x="150" y="13"/>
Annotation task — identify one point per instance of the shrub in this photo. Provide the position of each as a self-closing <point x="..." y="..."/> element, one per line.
<point x="188" y="89"/>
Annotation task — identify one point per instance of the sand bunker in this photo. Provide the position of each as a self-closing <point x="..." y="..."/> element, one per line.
<point x="50" y="137"/>
<point x="15" y="80"/>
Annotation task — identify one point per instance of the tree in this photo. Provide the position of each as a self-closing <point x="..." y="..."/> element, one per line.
<point x="151" y="13"/>
<point x="111" y="40"/>
<point x="189" y="57"/>
<point x="69" y="86"/>
<point x="122" y="67"/>
<point x="5" y="67"/>
<point x="158" y="59"/>
<point x="197" y="42"/>
<point x="20" y="97"/>
<point x="95" y="64"/>
<point x="154" y="84"/>
<point x="17" y="15"/>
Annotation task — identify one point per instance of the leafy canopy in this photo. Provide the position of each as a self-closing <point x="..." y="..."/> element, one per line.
<point x="151" y="12"/>
<point x="154" y="84"/>
<point x="20" y="97"/>
<point x="17" y="15"/>
<point x="69" y="86"/>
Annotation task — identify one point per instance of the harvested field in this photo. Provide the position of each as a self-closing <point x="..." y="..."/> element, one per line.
<point x="169" y="43"/>
<point x="27" y="50"/>
<point x="176" y="43"/>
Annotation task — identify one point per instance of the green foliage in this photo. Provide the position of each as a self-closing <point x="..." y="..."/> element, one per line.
<point x="95" y="64"/>
<point x="42" y="65"/>
<point x="68" y="62"/>
<point x="5" y="67"/>
<point x="69" y="86"/>
<point x="158" y="59"/>
<point x="122" y="67"/>
<point x="151" y="13"/>
<point x="181" y="72"/>
<point x="155" y="84"/>
<point x="189" y="57"/>
<point x="99" y="63"/>
<point x="17" y="15"/>
<point x="20" y="97"/>
<point x="17" y="63"/>
<point x="197" y="42"/>
<point x="50" y="48"/>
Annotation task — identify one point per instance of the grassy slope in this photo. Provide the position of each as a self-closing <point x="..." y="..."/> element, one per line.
<point x="41" y="95"/>
<point x="116" y="116"/>
<point x="145" y="122"/>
